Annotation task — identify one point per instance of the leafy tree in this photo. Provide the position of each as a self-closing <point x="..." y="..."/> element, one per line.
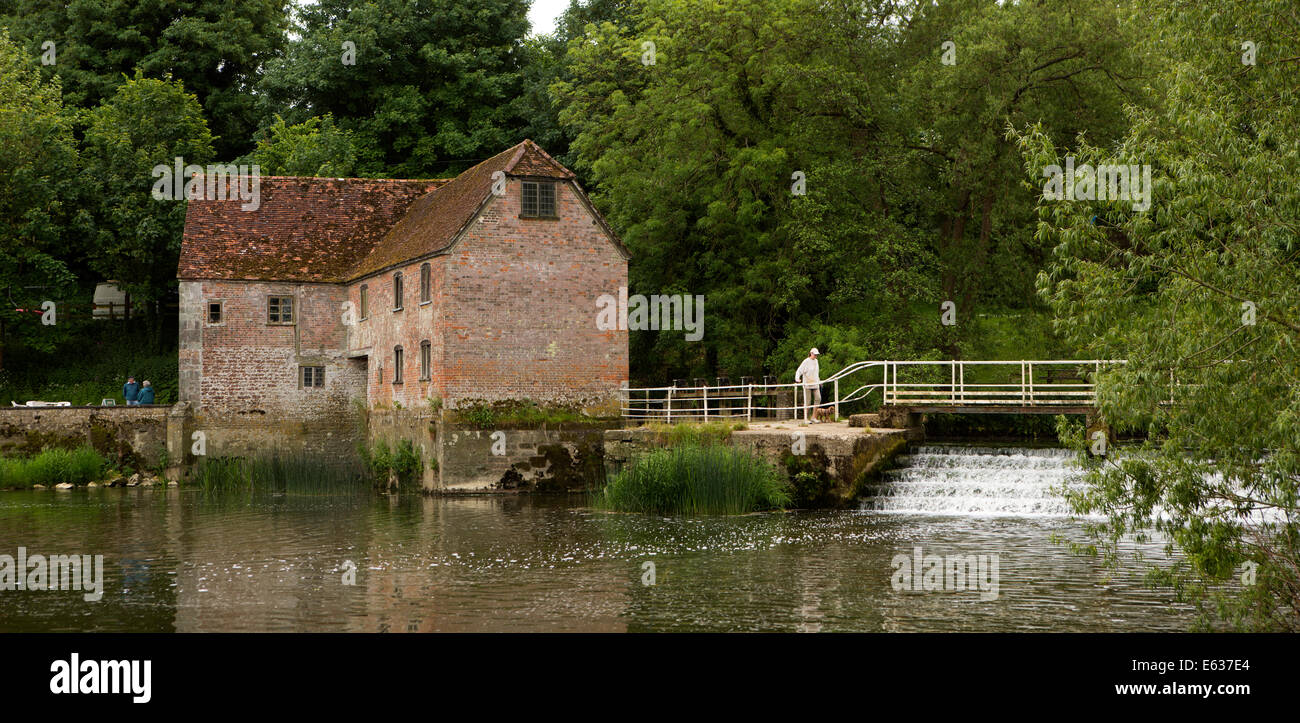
<point x="315" y="147"/>
<point x="431" y="87"/>
<point x="216" y="49"/>
<point x="546" y="62"/>
<point x="817" y="172"/>
<point x="38" y="171"/>
<point x="147" y="123"/>
<point x="1069" y="67"/>
<point x="1201" y="294"/>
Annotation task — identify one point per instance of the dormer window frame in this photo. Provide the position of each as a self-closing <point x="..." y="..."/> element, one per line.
<point x="536" y="208"/>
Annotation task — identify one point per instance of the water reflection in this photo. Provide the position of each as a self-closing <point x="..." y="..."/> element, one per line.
<point x="179" y="560"/>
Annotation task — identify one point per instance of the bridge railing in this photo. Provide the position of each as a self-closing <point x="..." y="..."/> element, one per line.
<point x="956" y="383"/>
<point x="750" y="400"/>
<point x="953" y="383"/>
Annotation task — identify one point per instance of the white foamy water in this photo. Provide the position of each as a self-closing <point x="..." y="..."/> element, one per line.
<point x="960" y="480"/>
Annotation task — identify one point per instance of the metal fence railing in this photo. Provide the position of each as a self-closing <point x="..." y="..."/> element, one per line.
<point x="955" y="383"/>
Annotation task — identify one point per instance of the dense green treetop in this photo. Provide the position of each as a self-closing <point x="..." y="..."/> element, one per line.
<point x="216" y="49"/>
<point x="428" y="91"/>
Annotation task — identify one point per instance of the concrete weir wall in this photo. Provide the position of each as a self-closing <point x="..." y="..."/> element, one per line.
<point x="849" y="456"/>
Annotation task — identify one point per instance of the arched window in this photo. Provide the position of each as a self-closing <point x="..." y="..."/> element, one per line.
<point x="426" y="290"/>
<point x="397" y="291"/>
<point x="397" y="365"/>
<point x="426" y="360"/>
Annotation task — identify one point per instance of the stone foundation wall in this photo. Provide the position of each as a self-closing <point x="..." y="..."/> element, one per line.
<point x="537" y="459"/>
<point x="241" y="435"/>
<point x="458" y="457"/>
<point x="143" y="431"/>
<point x="455" y="456"/>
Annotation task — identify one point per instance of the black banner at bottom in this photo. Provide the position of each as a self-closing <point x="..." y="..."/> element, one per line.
<point x="306" y="672"/>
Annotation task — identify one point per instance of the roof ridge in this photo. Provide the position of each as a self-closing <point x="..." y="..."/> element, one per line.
<point x="340" y="178"/>
<point x="519" y="153"/>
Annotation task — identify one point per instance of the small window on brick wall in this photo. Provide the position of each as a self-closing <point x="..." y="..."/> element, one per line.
<point x="279" y="309"/>
<point x="425" y="360"/>
<point x="538" y="199"/>
<point x="215" y="309"/>
<point x="397" y="291"/>
<point x="426" y="283"/>
<point x="397" y="365"/>
<point x="311" y="377"/>
<point x="365" y="302"/>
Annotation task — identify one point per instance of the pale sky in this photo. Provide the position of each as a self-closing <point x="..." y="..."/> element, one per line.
<point x="543" y="14"/>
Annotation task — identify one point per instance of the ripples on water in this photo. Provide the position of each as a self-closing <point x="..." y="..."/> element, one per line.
<point x="177" y="560"/>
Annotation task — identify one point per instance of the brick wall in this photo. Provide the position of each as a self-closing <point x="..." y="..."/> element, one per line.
<point x="512" y="313"/>
<point x="521" y="322"/>
<point x="384" y="327"/>
<point x="242" y="374"/>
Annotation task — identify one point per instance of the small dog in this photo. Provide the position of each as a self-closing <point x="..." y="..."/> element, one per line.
<point x="823" y="414"/>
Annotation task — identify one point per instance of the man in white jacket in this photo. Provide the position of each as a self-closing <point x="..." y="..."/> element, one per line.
<point x="808" y="374"/>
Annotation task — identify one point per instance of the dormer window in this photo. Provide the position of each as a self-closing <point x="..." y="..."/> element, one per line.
<point x="538" y="200"/>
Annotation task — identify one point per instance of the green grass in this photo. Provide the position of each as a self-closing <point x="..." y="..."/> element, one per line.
<point x="52" y="467"/>
<point x="694" y="433"/>
<point x="696" y="480"/>
<point x="403" y="462"/>
<point x="278" y="472"/>
<point x="518" y="414"/>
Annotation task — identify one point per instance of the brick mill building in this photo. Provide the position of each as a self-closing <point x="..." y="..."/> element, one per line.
<point x="398" y="294"/>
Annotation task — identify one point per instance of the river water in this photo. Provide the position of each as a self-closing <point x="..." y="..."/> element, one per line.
<point x="180" y="560"/>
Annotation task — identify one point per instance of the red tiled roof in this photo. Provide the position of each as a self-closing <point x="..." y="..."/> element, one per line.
<point x="305" y="229"/>
<point x="338" y="229"/>
<point x="433" y="222"/>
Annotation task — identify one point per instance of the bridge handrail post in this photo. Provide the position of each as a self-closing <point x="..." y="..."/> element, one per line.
<point x="669" y="406"/>
<point x="1023" y="399"/>
<point x="749" y="403"/>
<point x="837" y="399"/>
<point x="706" y="403"/>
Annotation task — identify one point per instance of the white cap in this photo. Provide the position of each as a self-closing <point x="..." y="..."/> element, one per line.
<point x="814" y="352"/>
